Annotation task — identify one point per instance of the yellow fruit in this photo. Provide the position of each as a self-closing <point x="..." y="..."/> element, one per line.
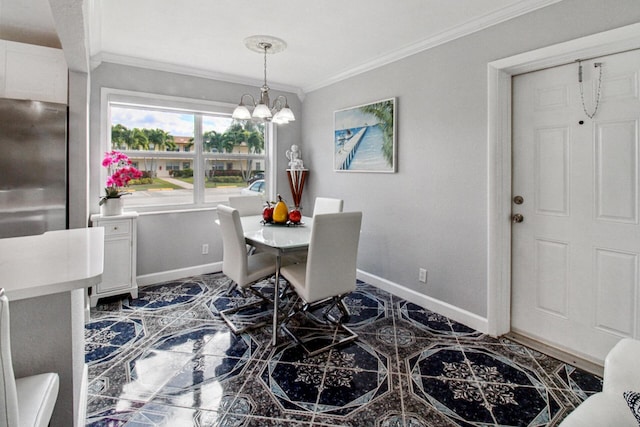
<point x="281" y="211"/>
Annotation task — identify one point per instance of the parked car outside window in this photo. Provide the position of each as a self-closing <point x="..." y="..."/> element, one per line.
<point x="257" y="187"/>
<point x="255" y="177"/>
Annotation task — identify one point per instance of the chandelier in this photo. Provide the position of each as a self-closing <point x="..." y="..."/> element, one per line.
<point x="279" y="112"/>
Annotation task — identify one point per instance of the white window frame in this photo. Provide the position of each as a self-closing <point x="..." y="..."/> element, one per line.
<point x="110" y="96"/>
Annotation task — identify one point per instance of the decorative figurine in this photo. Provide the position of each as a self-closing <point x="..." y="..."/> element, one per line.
<point x="295" y="162"/>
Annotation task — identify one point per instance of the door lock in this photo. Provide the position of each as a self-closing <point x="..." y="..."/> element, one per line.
<point x="518" y="200"/>
<point x="517" y="218"/>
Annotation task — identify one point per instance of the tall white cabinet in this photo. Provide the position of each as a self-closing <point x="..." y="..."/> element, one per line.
<point x="119" y="276"/>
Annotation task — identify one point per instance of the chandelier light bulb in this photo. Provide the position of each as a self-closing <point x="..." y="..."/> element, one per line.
<point x="287" y="114"/>
<point x="261" y="112"/>
<point x="241" y="113"/>
<point x="279" y="118"/>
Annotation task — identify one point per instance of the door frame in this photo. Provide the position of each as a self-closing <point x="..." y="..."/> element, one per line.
<point x="499" y="166"/>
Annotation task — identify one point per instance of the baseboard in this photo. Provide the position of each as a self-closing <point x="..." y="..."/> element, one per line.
<point x="180" y="273"/>
<point x="585" y="364"/>
<point x="455" y="313"/>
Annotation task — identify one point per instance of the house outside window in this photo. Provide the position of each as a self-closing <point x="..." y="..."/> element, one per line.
<point x="196" y="156"/>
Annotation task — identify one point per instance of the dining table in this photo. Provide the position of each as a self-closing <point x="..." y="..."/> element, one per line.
<point x="280" y="240"/>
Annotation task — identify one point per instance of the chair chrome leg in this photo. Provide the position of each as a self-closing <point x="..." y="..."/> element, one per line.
<point x="260" y="295"/>
<point x="225" y="314"/>
<point x="284" y="290"/>
<point x="337" y="302"/>
<point x="230" y="288"/>
<point x="304" y="308"/>
<point x="352" y="336"/>
<point x="344" y="310"/>
<point x="293" y="311"/>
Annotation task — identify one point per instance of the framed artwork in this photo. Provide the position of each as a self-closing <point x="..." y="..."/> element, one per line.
<point x="364" y="138"/>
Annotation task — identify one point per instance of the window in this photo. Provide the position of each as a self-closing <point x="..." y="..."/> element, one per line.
<point x="190" y="154"/>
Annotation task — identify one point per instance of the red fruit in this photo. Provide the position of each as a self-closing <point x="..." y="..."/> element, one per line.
<point x="267" y="213"/>
<point x="295" y="216"/>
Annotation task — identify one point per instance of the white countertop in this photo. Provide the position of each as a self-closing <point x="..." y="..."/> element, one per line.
<point x="53" y="262"/>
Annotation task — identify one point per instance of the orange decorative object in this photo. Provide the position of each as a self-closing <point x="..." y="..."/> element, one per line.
<point x="297" y="177"/>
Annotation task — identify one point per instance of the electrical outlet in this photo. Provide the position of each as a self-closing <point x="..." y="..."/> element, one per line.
<point x="422" y="275"/>
<point x="205" y="248"/>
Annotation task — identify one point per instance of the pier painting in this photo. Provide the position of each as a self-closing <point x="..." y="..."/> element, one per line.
<point x="365" y="138"/>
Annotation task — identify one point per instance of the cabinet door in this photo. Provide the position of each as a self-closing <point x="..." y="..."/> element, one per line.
<point x="32" y="72"/>
<point x="117" y="265"/>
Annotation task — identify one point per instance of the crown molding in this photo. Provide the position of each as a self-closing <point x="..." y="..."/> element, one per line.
<point x="131" y="61"/>
<point x="470" y="27"/>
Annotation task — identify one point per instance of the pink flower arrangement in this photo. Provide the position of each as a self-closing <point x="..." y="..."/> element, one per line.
<point x="120" y="173"/>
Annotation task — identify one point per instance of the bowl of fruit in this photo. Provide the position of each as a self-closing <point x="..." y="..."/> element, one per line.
<point x="279" y="214"/>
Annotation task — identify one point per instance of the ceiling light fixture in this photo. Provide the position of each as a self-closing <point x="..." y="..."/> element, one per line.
<point x="279" y="112"/>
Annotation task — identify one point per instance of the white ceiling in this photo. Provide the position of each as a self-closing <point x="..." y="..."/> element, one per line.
<point x="327" y="40"/>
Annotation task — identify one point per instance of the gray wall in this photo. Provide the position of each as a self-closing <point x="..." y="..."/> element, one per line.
<point x="172" y="241"/>
<point x="433" y="212"/>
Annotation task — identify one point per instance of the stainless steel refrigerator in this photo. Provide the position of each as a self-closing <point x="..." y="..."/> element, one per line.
<point x="33" y="167"/>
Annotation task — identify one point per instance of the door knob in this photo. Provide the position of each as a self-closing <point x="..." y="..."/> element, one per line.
<point x="517" y="218"/>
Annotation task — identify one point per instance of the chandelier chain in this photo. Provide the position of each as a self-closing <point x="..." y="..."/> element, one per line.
<point x="598" y="91"/>
<point x="265" y="65"/>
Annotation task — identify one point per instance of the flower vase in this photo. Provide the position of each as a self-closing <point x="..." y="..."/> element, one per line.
<point x="111" y="207"/>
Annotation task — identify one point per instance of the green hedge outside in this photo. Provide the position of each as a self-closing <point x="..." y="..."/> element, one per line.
<point x="226" y="179"/>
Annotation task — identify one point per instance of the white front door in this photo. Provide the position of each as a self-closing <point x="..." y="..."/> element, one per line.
<point x="575" y="256"/>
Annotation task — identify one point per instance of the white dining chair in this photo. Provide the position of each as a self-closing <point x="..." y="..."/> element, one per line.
<point x="327" y="205"/>
<point x="243" y="269"/>
<point x="247" y="205"/>
<point x="322" y="205"/>
<point x="27" y="401"/>
<point x="329" y="274"/>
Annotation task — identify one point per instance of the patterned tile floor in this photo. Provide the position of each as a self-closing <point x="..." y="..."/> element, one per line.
<point x="167" y="359"/>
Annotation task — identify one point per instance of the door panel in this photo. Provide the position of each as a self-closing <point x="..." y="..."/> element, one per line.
<point x="617" y="171"/>
<point x="551" y="277"/>
<point x="552" y="171"/>
<point x="575" y="255"/>
<point x="616" y="282"/>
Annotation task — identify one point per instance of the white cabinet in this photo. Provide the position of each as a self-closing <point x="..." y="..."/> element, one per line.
<point x="32" y="72"/>
<point x="119" y="276"/>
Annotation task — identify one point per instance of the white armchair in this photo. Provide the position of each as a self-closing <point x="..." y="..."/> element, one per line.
<point x="609" y="408"/>
<point x="27" y="401"/>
